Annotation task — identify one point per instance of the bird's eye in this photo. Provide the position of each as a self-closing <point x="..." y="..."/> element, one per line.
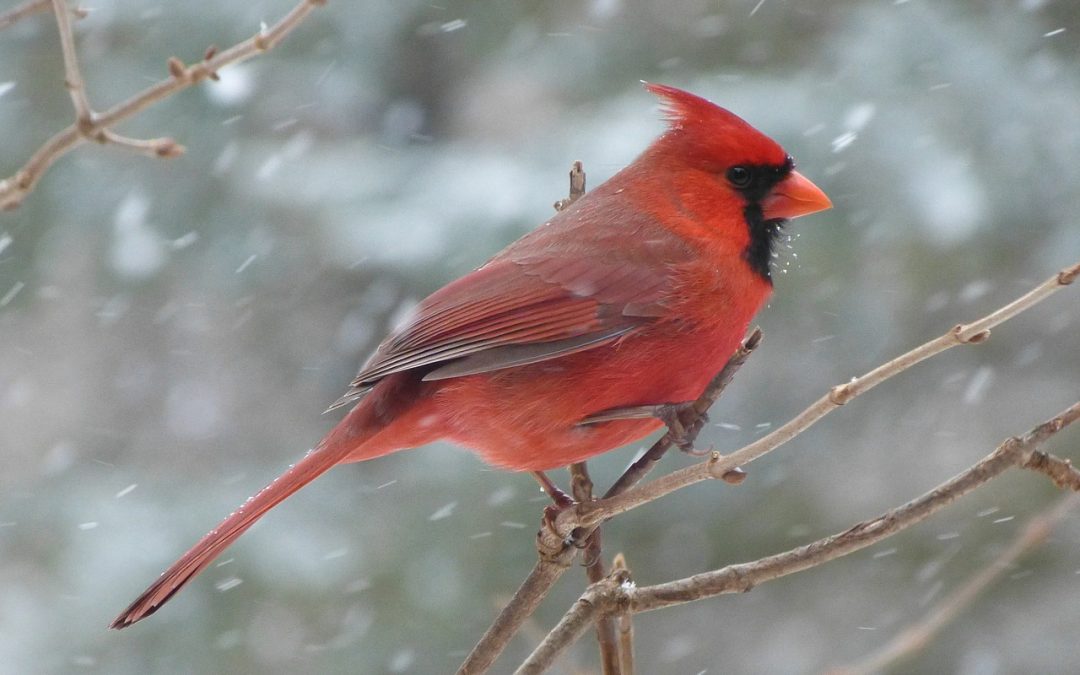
<point x="739" y="176"/>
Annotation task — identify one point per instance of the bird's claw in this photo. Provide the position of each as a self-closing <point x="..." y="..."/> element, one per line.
<point x="682" y="437"/>
<point x="550" y="519"/>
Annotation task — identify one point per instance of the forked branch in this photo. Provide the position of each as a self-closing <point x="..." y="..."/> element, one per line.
<point x="916" y="636"/>
<point x="610" y="597"/>
<point x="92" y="126"/>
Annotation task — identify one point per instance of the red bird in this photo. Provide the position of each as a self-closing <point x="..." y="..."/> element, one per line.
<point x="633" y="297"/>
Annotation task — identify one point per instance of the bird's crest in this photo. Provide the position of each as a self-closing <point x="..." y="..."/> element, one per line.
<point x="715" y="134"/>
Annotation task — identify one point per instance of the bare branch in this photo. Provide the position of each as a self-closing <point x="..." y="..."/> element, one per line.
<point x="151" y="147"/>
<point x="915" y="637"/>
<point x="13" y="190"/>
<point x="1061" y="471"/>
<point x="21" y="11"/>
<point x="525" y="601"/>
<point x="608" y="597"/>
<point x="626" y="621"/>
<point x="581" y="487"/>
<point x="717" y="466"/>
<point x="577" y="186"/>
<point x="28" y="9"/>
<point x="73" y="78"/>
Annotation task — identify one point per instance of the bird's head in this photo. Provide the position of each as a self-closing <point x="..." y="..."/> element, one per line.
<point x="745" y="163"/>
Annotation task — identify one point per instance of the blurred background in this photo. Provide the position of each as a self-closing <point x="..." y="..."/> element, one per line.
<point x="172" y="330"/>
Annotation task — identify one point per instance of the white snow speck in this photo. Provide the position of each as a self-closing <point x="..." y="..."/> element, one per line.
<point x="978" y="384"/>
<point x="1056" y="31"/>
<point x="859" y="115"/>
<point x="193" y="409"/>
<point x="5" y="241"/>
<point x="269" y="167"/>
<point x="236" y="84"/>
<point x="974" y="290"/>
<point x="444" y="511"/>
<point x="1003" y="520"/>
<point x="501" y="496"/>
<point x="513" y="525"/>
<point x="137" y="251"/>
<point x="947" y="194"/>
<point x="5" y="87"/>
<point x="987" y="512"/>
<point x="126" y="491"/>
<point x="841" y="142"/>
<point x="184" y="240"/>
<point x="244" y="265"/>
<point x="227" y="584"/>
<point x="947" y="536"/>
<point x="88" y="526"/>
<point x="402" y="661"/>
<point x="884" y="554"/>
<point x="10" y="295"/>
<point x="458" y="24"/>
<point x="226" y="159"/>
<point x="937" y="302"/>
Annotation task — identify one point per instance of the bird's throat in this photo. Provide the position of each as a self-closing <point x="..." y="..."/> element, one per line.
<point x="764" y="234"/>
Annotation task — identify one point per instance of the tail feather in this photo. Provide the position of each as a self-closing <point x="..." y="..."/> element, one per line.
<point x="350" y="438"/>
<point x="211" y="545"/>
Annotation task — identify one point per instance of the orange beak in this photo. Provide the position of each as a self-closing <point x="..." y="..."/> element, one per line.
<point x="793" y="197"/>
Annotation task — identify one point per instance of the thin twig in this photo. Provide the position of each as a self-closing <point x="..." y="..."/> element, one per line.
<point x="151" y="147"/>
<point x="21" y="11"/>
<point x="915" y="637"/>
<point x="717" y="466"/>
<point x="611" y="598"/>
<point x="577" y="186"/>
<point x="532" y="591"/>
<point x="556" y="555"/>
<point x="15" y="188"/>
<point x="626" y="621"/>
<point x="73" y="78"/>
<point x="581" y="486"/>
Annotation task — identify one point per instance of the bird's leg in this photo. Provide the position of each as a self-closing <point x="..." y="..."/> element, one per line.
<point x="668" y="413"/>
<point x="561" y="501"/>
<point x="683" y="437"/>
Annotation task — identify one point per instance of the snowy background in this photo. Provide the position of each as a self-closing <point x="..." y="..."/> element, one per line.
<point x="171" y="331"/>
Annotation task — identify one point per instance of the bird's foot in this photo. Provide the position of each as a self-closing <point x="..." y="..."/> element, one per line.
<point x="670" y="414"/>
<point x="682" y="436"/>
<point x="561" y="502"/>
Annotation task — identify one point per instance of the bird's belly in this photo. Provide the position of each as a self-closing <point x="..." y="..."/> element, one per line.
<point x="528" y="417"/>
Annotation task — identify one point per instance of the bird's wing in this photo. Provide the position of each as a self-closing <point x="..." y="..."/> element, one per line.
<point x="534" y="302"/>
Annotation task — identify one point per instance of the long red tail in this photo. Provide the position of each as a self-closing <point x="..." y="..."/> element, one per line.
<point x="367" y="419"/>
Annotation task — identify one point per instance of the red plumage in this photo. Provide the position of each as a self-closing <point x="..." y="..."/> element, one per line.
<point x="635" y="295"/>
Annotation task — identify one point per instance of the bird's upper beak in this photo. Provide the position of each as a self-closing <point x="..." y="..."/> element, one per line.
<point x="793" y="197"/>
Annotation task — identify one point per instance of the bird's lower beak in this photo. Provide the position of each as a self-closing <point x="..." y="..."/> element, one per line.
<point x="793" y="197"/>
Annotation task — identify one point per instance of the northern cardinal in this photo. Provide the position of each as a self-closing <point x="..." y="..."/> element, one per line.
<point x="630" y="299"/>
